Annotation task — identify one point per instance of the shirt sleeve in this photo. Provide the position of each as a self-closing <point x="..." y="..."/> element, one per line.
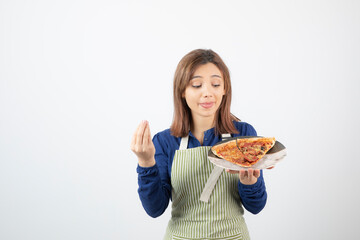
<point x="254" y="196"/>
<point x="154" y="182"/>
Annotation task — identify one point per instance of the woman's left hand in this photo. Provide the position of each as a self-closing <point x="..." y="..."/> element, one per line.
<point x="247" y="177"/>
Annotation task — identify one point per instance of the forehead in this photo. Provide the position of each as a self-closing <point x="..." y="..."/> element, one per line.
<point x="208" y="69"/>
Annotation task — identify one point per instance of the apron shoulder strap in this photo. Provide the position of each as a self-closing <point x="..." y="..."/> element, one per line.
<point x="184" y="143"/>
<point x="184" y="140"/>
<point x="214" y="176"/>
<point x="225" y="136"/>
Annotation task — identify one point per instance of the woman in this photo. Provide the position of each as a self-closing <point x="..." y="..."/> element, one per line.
<point x="174" y="164"/>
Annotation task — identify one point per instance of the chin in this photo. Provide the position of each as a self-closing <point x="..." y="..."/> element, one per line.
<point x="208" y="114"/>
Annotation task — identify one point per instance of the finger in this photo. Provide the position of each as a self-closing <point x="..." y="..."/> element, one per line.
<point x="140" y="134"/>
<point x="147" y="134"/>
<point x="257" y="173"/>
<point x="250" y="172"/>
<point x="232" y="171"/>
<point x="243" y="173"/>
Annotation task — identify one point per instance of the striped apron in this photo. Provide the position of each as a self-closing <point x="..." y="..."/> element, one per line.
<point x="218" y="216"/>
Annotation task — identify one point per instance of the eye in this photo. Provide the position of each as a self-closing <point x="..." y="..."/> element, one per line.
<point x="216" y="85"/>
<point x="196" y="85"/>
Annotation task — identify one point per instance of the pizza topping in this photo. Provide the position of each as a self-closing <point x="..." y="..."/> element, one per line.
<point x="245" y="151"/>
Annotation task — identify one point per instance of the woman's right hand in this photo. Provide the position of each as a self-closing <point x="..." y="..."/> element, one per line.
<point x="142" y="145"/>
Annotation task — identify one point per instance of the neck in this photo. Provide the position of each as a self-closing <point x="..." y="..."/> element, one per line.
<point x="200" y="125"/>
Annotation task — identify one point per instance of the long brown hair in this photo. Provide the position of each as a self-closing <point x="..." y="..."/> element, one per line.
<point x="180" y="126"/>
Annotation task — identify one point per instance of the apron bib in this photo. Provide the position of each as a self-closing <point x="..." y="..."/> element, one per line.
<point x="218" y="217"/>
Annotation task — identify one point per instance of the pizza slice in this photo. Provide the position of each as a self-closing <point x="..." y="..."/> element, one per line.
<point x="244" y="151"/>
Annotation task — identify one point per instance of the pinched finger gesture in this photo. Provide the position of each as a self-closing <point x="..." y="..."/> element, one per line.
<point x="142" y="145"/>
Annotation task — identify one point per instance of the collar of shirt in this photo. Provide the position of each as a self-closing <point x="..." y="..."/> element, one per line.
<point x="209" y="139"/>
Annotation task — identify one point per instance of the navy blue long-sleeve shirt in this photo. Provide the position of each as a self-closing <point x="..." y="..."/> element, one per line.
<point x="155" y="183"/>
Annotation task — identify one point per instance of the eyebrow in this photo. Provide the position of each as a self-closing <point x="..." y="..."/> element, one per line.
<point x="215" y="75"/>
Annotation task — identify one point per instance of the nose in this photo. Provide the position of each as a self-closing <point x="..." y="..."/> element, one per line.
<point x="207" y="91"/>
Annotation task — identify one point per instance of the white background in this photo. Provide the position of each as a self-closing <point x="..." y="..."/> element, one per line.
<point x="76" y="78"/>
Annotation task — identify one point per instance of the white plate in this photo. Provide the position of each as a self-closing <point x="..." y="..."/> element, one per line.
<point x="273" y="156"/>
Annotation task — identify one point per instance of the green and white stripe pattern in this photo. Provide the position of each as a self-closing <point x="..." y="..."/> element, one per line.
<point x="220" y="218"/>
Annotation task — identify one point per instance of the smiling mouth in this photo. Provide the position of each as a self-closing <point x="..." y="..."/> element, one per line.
<point x="207" y="105"/>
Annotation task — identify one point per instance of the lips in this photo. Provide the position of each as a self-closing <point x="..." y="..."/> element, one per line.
<point x="207" y="104"/>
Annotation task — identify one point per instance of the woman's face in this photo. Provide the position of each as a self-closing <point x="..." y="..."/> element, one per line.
<point x="205" y="91"/>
